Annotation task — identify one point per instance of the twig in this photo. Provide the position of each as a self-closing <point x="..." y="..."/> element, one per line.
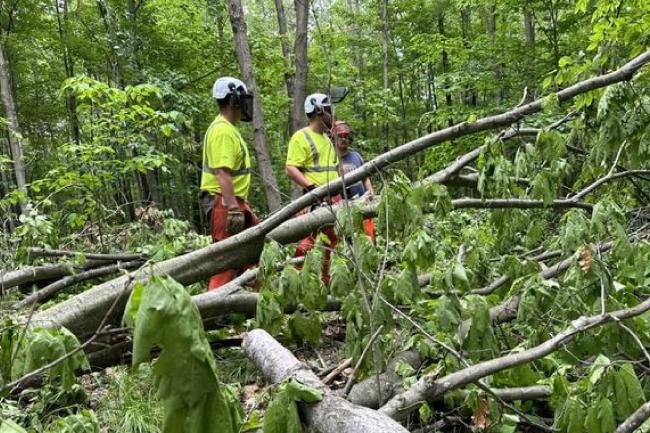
<point x="330" y="377"/>
<point x="352" y="378"/>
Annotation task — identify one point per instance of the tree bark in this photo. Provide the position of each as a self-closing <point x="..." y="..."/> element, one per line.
<point x="300" y="82"/>
<point x="262" y="155"/>
<point x="429" y="388"/>
<point x="286" y="50"/>
<point x="81" y="311"/>
<point x="35" y="274"/>
<point x="49" y="291"/>
<point x="332" y="414"/>
<point x="635" y="420"/>
<point x="384" y="50"/>
<point x="15" y="138"/>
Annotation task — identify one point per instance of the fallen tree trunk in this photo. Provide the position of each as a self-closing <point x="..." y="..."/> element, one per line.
<point x="332" y="414"/>
<point x="429" y="388"/>
<point x="211" y="306"/>
<point x="51" y="290"/>
<point x="34" y="274"/>
<point x="123" y="257"/>
<point x="85" y="310"/>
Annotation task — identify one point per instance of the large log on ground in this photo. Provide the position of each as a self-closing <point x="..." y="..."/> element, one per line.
<point x="85" y="311"/>
<point x="332" y="414"/>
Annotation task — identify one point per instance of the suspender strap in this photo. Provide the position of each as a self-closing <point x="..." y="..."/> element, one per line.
<point x="315" y="156"/>
<point x="213" y="171"/>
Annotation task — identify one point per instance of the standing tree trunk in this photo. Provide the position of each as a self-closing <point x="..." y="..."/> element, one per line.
<point x="9" y="105"/>
<point x="445" y="69"/>
<point x="384" y="47"/>
<point x="529" y="30"/>
<point x="286" y="51"/>
<point x="289" y="73"/>
<point x="68" y="63"/>
<point x="300" y="82"/>
<point x="238" y="23"/>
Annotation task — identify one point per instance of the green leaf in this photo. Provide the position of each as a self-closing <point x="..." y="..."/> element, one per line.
<point x="8" y="426"/>
<point x="300" y="392"/>
<point x="186" y="375"/>
<point x="305" y="327"/>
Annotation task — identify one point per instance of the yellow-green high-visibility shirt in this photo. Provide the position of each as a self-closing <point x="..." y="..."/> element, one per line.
<point x="224" y="147"/>
<point x="314" y="155"/>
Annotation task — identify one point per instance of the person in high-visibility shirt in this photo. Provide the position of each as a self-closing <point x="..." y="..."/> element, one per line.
<point x="225" y="177"/>
<point x="312" y="162"/>
<point x="343" y="136"/>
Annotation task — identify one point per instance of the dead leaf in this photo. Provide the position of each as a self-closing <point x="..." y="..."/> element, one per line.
<point x="585" y="258"/>
<point x="481" y="418"/>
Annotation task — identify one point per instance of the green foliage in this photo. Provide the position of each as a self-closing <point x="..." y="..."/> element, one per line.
<point x="162" y="313"/>
<point x="83" y="422"/>
<point x="282" y="414"/>
<point x="41" y="346"/>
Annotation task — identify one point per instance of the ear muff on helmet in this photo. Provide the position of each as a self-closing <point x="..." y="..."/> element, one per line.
<point x="239" y="98"/>
<point x="321" y="108"/>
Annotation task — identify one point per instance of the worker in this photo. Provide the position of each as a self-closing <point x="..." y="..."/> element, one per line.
<point x="226" y="172"/>
<point x="343" y="135"/>
<point x="312" y="162"/>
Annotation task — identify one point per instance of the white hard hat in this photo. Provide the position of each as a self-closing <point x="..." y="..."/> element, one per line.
<point x="224" y="85"/>
<point x="316" y="100"/>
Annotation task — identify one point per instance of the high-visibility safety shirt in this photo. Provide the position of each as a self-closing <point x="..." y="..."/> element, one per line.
<point x="314" y="155"/>
<point x="224" y="147"/>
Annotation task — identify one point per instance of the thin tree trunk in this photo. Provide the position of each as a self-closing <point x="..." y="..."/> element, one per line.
<point x="300" y="82"/>
<point x="445" y="68"/>
<point x="262" y="155"/>
<point x="529" y="30"/>
<point x="384" y="47"/>
<point x="10" y="113"/>
<point x="286" y="50"/>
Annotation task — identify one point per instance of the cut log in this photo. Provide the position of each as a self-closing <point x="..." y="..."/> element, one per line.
<point x="332" y="414"/>
<point x="83" y="312"/>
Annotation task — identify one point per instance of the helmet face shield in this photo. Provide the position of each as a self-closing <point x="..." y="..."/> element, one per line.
<point x="246" y="107"/>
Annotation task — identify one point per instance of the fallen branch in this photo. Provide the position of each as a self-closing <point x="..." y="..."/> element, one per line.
<point x="635" y="420"/>
<point x="353" y="375"/>
<point x="338" y="370"/>
<point x="332" y="414"/>
<point x="33" y="274"/>
<point x="80" y="313"/>
<point x="51" y="290"/>
<point x="608" y="178"/>
<point x="429" y="388"/>
<point x="123" y="257"/>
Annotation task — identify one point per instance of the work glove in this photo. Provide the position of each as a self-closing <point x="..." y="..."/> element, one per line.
<point x="235" y="222"/>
